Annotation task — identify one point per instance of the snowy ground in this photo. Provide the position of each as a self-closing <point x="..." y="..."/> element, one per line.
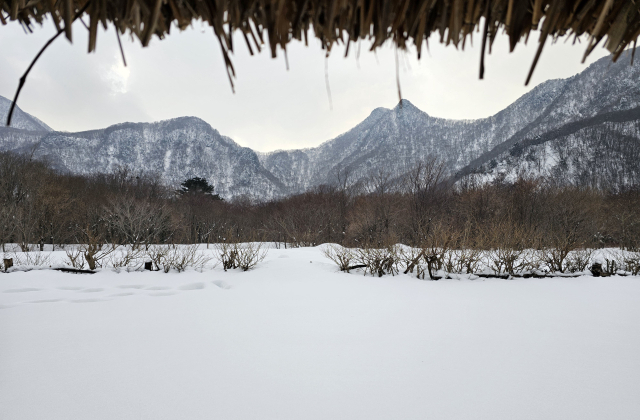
<point x="295" y="339"/>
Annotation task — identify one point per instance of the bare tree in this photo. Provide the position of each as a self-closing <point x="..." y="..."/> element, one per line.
<point x="425" y="185"/>
<point x="137" y="222"/>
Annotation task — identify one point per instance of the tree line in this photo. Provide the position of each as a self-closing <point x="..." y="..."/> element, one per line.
<point x="39" y="205"/>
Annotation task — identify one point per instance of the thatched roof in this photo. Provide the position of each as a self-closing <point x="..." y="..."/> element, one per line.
<point x="275" y="23"/>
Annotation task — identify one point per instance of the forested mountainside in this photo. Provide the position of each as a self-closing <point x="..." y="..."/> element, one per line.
<point x="560" y="128"/>
<point x="396" y="139"/>
<point x="603" y="154"/>
<point x="175" y="149"/>
<point x="587" y="136"/>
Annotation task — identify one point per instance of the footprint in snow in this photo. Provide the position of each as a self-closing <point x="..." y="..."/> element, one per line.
<point x="87" y="300"/>
<point x="157" y="288"/>
<point x="221" y="284"/>
<point x="69" y="288"/>
<point x="26" y="289"/>
<point x="45" y="301"/>
<point x="192" y="286"/>
<point x="156" y="294"/>
<point x="94" y="290"/>
<point x="124" y="294"/>
<point x="131" y="286"/>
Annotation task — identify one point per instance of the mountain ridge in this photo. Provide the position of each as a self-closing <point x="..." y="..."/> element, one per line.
<point x="391" y="140"/>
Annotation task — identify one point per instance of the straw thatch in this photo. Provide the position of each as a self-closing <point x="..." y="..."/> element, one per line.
<point x="404" y="22"/>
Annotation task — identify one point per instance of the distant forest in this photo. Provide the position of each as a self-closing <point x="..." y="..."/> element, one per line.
<point x="41" y="206"/>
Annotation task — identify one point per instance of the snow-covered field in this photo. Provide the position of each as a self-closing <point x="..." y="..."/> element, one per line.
<point x="296" y="339"/>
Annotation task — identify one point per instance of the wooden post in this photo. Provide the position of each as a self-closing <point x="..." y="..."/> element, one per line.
<point x="8" y="263"/>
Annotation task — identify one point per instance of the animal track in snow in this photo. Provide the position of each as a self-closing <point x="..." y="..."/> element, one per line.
<point x="69" y="288"/>
<point x="131" y="286"/>
<point x="156" y="288"/>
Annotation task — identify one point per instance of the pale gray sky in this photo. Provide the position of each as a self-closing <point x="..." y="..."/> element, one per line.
<point x="272" y="108"/>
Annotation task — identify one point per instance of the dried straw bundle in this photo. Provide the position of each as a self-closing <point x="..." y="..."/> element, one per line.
<point x="404" y="22"/>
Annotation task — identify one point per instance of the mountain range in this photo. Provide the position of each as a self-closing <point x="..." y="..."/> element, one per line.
<point x="581" y="130"/>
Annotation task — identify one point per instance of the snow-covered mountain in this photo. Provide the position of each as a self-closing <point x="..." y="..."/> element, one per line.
<point x="601" y="152"/>
<point x="20" y="119"/>
<point x="396" y="139"/>
<point x="571" y="123"/>
<point x="175" y="149"/>
<point x="589" y="135"/>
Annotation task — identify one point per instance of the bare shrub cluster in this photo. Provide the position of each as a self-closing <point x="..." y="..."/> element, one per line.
<point x="619" y="261"/>
<point x="244" y="256"/>
<point x="464" y="261"/>
<point x="342" y="256"/>
<point x="178" y="258"/>
<point x="128" y="256"/>
<point x="632" y="262"/>
<point x="30" y="258"/>
<point x="378" y="261"/>
<point x="579" y="260"/>
<point x="435" y="263"/>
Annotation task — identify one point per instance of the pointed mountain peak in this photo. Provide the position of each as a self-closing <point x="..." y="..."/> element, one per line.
<point x="405" y="105"/>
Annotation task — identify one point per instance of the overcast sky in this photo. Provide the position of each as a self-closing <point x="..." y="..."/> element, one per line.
<point x="272" y="108"/>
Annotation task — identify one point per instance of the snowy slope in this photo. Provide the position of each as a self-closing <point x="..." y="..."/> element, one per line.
<point x="296" y="339"/>
<point x="20" y="119"/>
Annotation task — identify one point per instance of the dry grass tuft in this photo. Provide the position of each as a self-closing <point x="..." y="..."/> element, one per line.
<point x="274" y="24"/>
